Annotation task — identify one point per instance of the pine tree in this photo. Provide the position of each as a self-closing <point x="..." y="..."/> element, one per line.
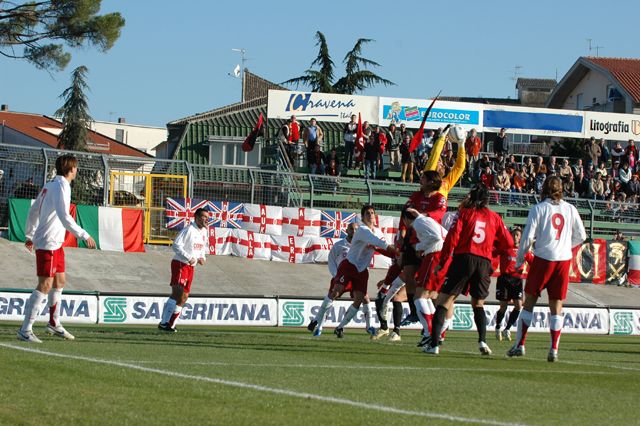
<point x="75" y="113"/>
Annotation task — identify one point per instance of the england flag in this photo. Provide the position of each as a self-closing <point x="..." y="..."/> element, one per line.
<point x="262" y="219"/>
<point x="219" y="241"/>
<point x="250" y="245"/>
<point x="289" y="248"/>
<point x="319" y="249"/>
<point x="388" y="225"/>
<point x="301" y="221"/>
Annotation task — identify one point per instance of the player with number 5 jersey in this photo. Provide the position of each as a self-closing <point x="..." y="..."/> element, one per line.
<point x="555" y="227"/>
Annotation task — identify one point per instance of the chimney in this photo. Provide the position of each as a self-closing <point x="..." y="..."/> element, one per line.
<point x="4" y="107"/>
<point x="121" y="120"/>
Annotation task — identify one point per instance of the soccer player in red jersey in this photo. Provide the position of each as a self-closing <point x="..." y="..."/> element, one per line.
<point x="190" y="247"/>
<point x="47" y="222"/>
<point x="556" y="227"/>
<point x="469" y="244"/>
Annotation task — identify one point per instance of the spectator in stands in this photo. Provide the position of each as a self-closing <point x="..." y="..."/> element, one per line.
<point x="553" y="168"/>
<point x="317" y="161"/>
<point x="578" y="168"/>
<point x="539" y="163"/>
<point x="407" y="160"/>
<point x="349" y="136"/>
<point x="405" y="132"/>
<point x="596" y="188"/>
<point x="565" y="169"/>
<point x="615" y="170"/>
<point x="590" y="171"/>
<point x="519" y="185"/>
<point x="502" y="183"/>
<point x="421" y="162"/>
<point x="593" y="151"/>
<point x="371" y="155"/>
<point x="332" y="169"/>
<point x="487" y="178"/>
<point x="500" y="144"/>
<point x="625" y="177"/>
<point x="602" y="169"/>
<point x="617" y="153"/>
<point x="631" y="153"/>
<point x="429" y="140"/>
<point x="311" y="136"/>
<point x="381" y="141"/>
<point x="472" y="146"/>
<point x="540" y="178"/>
<point x="289" y="135"/>
<point x="394" y="140"/>
<point x="582" y="184"/>
<point x="604" y="152"/>
<point x="26" y="190"/>
<point x="333" y="155"/>
<point x="609" y="185"/>
<point x="498" y="163"/>
<point x="633" y="189"/>
<point x="528" y="166"/>
<point x="512" y="164"/>
<point x="568" y="187"/>
<point x="619" y="236"/>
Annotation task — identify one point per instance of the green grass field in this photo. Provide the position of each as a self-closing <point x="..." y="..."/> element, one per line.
<point x="136" y="375"/>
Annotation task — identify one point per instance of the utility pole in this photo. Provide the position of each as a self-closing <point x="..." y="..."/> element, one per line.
<point x="516" y="73"/>
<point x="242" y="51"/>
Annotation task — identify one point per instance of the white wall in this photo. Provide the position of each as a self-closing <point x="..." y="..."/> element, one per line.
<point x="144" y="138"/>
<point x="593" y="85"/>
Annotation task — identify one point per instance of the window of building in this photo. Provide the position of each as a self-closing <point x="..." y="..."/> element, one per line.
<point x="579" y="101"/>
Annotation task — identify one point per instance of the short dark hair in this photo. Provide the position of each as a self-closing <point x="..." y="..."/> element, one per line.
<point x="365" y="208"/>
<point x="198" y="211"/>
<point x="478" y="198"/>
<point x="406" y="214"/>
<point x="65" y="163"/>
<point x="434" y="179"/>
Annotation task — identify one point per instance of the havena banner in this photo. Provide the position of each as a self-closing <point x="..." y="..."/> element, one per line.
<point x="113" y="229"/>
<point x="634" y="263"/>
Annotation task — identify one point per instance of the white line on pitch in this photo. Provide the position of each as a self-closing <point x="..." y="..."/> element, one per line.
<point x="259" y="388"/>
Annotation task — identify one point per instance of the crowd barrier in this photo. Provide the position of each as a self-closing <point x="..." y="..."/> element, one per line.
<point x="286" y="312"/>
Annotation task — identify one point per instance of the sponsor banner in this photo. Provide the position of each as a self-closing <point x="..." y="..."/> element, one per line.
<point x="610" y="126"/>
<point x="411" y="111"/>
<point x="298" y="313"/>
<point x="322" y="106"/>
<point x="535" y="121"/>
<point x="196" y="311"/>
<point x="80" y="309"/>
<point x="624" y="321"/>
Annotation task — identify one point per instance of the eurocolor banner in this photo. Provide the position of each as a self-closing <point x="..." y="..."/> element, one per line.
<point x="80" y="309"/>
<point x="625" y="321"/>
<point x="322" y="106"/>
<point x="410" y="112"/>
<point x="197" y="311"/>
<point x="610" y="126"/>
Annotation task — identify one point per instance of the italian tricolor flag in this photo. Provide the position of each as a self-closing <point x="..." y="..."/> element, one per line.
<point x="113" y="229"/>
<point x="634" y="263"/>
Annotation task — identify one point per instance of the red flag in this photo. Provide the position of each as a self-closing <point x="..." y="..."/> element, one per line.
<point x="417" y="138"/>
<point x="359" y="139"/>
<point x="250" y="141"/>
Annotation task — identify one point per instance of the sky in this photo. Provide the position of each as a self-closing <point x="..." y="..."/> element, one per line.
<point x="174" y="59"/>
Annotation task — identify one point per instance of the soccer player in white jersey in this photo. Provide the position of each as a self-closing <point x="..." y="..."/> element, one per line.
<point x="337" y="254"/>
<point x="556" y="227"/>
<point x="431" y="237"/>
<point x="354" y="269"/>
<point x="190" y="246"/>
<point x="47" y="223"/>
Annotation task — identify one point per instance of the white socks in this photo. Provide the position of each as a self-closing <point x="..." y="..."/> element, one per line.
<point x="422" y="309"/>
<point x="396" y="285"/>
<point x="320" y="316"/>
<point x="524" y="321"/>
<point x="367" y="315"/>
<point x="169" y="308"/>
<point x="348" y="316"/>
<point x="55" y="296"/>
<point x="31" y="310"/>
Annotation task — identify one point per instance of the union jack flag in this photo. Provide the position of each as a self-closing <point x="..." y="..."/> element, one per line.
<point x="225" y="214"/>
<point x="179" y="211"/>
<point x="333" y="224"/>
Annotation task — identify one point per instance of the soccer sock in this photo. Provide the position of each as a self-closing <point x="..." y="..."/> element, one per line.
<point x="367" y="315"/>
<point x="54" y="306"/>
<point x="424" y="317"/>
<point x="555" y="327"/>
<point x="348" y="316"/>
<point x="395" y="288"/>
<point x="499" y="317"/>
<point x="31" y="310"/>
<point x="432" y="308"/>
<point x="445" y="328"/>
<point x="524" y="321"/>
<point x="397" y="316"/>
<point x="481" y="323"/>
<point x="438" y="322"/>
<point x="412" y="306"/>
<point x="174" y="316"/>
<point x="513" y="317"/>
<point x="383" y="322"/>
<point x="324" y="307"/>
<point x="169" y="307"/>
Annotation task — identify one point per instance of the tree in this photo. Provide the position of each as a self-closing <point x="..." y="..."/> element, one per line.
<point x="75" y="113"/>
<point x="29" y="30"/>
<point x="356" y="79"/>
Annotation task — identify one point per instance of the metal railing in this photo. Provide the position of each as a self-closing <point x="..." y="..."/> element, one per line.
<point x="26" y="169"/>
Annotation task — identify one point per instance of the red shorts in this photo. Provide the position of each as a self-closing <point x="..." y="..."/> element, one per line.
<point x="182" y="275"/>
<point x="348" y="274"/>
<point x="549" y="274"/>
<point x="392" y="273"/>
<point x="49" y="262"/>
<point x="347" y="288"/>
<point x="426" y="279"/>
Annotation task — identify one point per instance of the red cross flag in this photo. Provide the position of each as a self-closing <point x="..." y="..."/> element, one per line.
<point x="219" y="241"/>
<point x="319" y="249"/>
<point x="250" y="245"/>
<point x="289" y="248"/>
<point x="262" y="219"/>
<point x="300" y="221"/>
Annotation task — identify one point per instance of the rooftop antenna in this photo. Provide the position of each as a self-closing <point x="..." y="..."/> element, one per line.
<point x="242" y="51"/>
<point x="592" y="47"/>
<point x="516" y="73"/>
